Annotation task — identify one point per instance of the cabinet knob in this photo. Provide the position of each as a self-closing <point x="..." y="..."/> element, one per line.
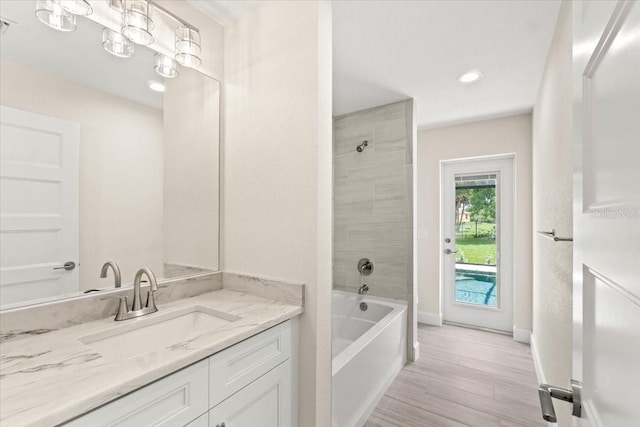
<point x="222" y="424"/>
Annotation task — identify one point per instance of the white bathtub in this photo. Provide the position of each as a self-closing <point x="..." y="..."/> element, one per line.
<point x="369" y="349"/>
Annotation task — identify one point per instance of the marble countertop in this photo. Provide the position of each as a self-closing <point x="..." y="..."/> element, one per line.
<point x="51" y="378"/>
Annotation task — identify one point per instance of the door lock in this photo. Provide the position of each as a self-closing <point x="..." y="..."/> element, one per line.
<point x="546" y="392"/>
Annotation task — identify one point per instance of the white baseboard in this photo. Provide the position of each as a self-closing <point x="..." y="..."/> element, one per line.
<point x="430" y="318"/>
<point x="522" y="335"/>
<point x="536" y="361"/>
<point x="416" y="351"/>
<point x="538" y="366"/>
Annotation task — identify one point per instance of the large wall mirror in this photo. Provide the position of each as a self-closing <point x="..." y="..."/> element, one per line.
<point x="98" y="165"/>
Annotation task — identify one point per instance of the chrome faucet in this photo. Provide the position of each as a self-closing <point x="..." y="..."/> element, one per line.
<point x="364" y="288"/>
<point x="116" y="272"/>
<point x="136" y="308"/>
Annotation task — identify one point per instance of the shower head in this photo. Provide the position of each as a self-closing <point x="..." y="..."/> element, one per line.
<point x="360" y="148"/>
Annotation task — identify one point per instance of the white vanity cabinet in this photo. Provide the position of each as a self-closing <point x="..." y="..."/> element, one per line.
<point x="175" y="400"/>
<point x="246" y="385"/>
<point x="265" y="403"/>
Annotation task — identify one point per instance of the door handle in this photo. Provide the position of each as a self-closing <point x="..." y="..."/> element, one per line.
<point x="449" y="251"/>
<point x="546" y="392"/>
<point x="69" y="265"/>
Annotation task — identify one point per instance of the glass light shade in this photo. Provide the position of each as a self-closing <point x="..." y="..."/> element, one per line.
<point x="188" y="47"/>
<point x="50" y="13"/>
<point x="137" y="23"/>
<point x="165" y="66"/>
<point x="116" y="5"/>
<point x="77" y="7"/>
<point x="116" y="44"/>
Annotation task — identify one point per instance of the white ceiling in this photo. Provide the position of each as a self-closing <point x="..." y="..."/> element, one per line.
<point x="385" y="51"/>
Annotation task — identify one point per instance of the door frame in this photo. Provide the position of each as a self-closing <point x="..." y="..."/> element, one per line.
<point x="505" y="246"/>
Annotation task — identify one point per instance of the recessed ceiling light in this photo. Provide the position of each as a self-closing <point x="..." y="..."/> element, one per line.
<point x="470" y="76"/>
<point x="157" y="86"/>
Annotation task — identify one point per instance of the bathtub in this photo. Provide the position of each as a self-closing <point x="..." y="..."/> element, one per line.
<point x="369" y="349"/>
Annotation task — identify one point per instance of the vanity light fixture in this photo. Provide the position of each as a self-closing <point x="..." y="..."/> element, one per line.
<point x="51" y="13"/>
<point x="137" y="23"/>
<point x="165" y="66"/>
<point x="77" y="7"/>
<point x="116" y="44"/>
<point x="155" y="86"/>
<point x="188" y="47"/>
<point x="136" y="27"/>
<point x="470" y="76"/>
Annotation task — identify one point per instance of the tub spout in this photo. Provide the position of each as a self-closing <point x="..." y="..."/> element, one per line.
<point x="363" y="289"/>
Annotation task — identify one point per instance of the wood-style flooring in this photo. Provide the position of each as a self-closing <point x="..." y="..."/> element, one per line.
<point x="464" y="377"/>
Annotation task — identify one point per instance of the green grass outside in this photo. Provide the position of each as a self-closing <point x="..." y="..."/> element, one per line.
<point x="469" y="229"/>
<point x="476" y="250"/>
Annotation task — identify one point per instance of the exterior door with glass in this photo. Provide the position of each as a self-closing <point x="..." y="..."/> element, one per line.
<point x="477" y="242"/>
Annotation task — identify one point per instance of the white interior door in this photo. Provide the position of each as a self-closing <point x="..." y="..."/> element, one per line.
<point x="606" y="300"/>
<point x="38" y="206"/>
<point x="477" y="292"/>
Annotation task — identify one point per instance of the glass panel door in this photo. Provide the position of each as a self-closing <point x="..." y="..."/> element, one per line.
<point x="477" y="242"/>
<point x="476" y="267"/>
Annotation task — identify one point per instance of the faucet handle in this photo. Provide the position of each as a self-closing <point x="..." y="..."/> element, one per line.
<point x="123" y="308"/>
<point x="151" y="301"/>
<point x="365" y="267"/>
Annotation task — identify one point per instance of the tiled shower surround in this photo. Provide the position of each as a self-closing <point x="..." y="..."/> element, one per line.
<point x="372" y="199"/>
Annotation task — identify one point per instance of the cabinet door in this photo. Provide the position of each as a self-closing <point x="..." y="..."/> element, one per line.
<point x="266" y="402"/>
<point x="234" y="368"/>
<point x="172" y="401"/>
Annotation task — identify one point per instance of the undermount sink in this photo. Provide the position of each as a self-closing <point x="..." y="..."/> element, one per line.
<point x="156" y="332"/>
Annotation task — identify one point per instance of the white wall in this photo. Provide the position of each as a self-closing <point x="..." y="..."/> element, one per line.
<point x="191" y="170"/>
<point x="277" y="170"/>
<point x="120" y="143"/>
<point x="552" y="208"/>
<point x="489" y="137"/>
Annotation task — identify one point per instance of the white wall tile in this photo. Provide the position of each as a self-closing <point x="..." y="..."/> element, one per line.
<point x="372" y="201"/>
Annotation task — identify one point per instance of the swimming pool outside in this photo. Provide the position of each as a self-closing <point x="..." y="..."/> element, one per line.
<point x="476" y="286"/>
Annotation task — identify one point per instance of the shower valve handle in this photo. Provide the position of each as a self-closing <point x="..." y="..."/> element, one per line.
<point x="365" y="267"/>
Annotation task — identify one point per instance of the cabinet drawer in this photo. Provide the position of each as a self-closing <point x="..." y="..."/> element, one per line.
<point x="266" y="402"/>
<point x="175" y="400"/>
<point x="234" y="368"/>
